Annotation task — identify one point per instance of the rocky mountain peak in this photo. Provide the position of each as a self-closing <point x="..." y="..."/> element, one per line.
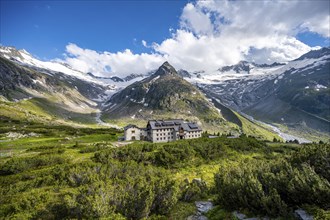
<point x="11" y="52"/>
<point x="242" y="66"/>
<point x="166" y="69"/>
<point x="162" y="95"/>
<point x="315" y="54"/>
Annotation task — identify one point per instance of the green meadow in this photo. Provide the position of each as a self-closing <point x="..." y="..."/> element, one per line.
<point x="62" y="172"/>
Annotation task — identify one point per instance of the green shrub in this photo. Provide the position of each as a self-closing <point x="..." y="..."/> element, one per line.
<point x="274" y="188"/>
<point x="18" y="165"/>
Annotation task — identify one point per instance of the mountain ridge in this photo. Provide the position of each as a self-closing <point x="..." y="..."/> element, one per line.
<point x="165" y="93"/>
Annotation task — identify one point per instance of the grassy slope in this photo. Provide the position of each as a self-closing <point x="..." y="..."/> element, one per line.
<point x="256" y="130"/>
<point x="39" y="110"/>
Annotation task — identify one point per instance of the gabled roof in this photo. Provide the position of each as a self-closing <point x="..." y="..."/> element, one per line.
<point x="131" y="126"/>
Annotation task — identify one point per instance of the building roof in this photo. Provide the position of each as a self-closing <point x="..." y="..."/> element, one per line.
<point x="175" y="124"/>
<point x="131" y="126"/>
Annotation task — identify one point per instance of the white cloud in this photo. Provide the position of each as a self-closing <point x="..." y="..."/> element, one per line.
<point x="260" y="31"/>
<point x="217" y="33"/>
<point x="195" y="19"/>
<point x="104" y="63"/>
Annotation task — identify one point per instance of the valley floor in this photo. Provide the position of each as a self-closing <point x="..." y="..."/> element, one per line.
<point x="60" y="172"/>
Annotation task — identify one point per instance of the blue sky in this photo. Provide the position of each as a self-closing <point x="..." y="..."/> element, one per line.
<point x="120" y="37"/>
<point x="44" y="28"/>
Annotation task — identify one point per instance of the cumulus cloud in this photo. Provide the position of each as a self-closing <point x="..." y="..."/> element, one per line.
<point x="218" y="33"/>
<point x="259" y="31"/>
<point x="196" y="20"/>
<point x="120" y="64"/>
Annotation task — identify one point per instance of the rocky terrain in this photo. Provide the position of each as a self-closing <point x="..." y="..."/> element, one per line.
<point x="295" y="95"/>
<point x="290" y="97"/>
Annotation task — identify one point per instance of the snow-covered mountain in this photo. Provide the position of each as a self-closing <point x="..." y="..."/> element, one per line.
<point x="25" y="58"/>
<point x="112" y="84"/>
<point x="295" y="94"/>
<point x="245" y="67"/>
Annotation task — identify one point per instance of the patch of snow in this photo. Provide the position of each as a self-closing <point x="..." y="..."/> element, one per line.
<point x="154" y="79"/>
<point x="142" y="101"/>
<point x="35" y="81"/>
<point x="319" y="86"/>
<point x="133" y="116"/>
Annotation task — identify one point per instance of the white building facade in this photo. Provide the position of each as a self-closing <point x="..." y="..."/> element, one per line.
<point x="132" y="133"/>
<point x="164" y="131"/>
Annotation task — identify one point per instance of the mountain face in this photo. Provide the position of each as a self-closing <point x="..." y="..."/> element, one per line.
<point x="41" y="93"/>
<point x="245" y="67"/>
<point x="32" y="93"/>
<point x="295" y="95"/>
<point x="242" y="66"/>
<point x="23" y="58"/>
<point x="163" y="94"/>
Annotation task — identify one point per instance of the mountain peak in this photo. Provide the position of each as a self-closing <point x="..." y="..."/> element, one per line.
<point x="315" y="54"/>
<point x="242" y="66"/>
<point x="166" y="68"/>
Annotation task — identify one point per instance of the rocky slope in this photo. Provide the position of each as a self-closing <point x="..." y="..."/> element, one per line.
<point x="56" y="95"/>
<point x="164" y="92"/>
<point x="295" y="95"/>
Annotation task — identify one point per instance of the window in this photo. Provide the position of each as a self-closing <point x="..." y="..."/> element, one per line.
<point x="157" y="135"/>
<point x="168" y="133"/>
<point x="133" y="131"/>
<point x="157" y="139"/>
